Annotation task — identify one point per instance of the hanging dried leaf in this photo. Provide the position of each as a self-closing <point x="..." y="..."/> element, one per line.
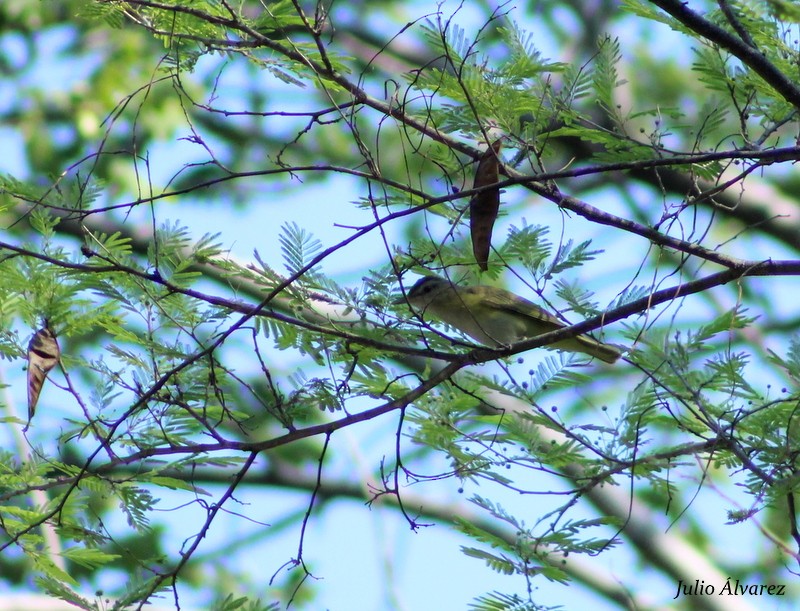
<point x="43" y="355"/>
<point x="484" y="206"/>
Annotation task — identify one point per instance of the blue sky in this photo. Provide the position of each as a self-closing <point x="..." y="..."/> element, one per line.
<point x="366" y="557"/>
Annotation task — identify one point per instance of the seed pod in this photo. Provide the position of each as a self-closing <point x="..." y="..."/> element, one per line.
<point x="484" y="206"/>
<point x="43" y="355"/>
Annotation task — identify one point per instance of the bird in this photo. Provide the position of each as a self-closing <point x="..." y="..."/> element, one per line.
<point x="496" y="317"/>
<point x="43" y="355"/>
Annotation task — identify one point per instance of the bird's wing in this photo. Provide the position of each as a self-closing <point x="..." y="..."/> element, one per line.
<point x="505" y="300"/>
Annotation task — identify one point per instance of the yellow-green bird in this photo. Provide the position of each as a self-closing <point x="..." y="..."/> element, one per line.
<point x="496" y="317"/>
<point x="43" y="355"/>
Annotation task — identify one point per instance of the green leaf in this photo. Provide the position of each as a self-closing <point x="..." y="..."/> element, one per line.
<point x="725" y="322"/>
<point x="785" y="10"/>
<point x="89" y="558"/>
<point x="527" y="245"/>
<point x="497" y="601"/>
<point x="298" y="247"/>
<point x="605" y="78"/>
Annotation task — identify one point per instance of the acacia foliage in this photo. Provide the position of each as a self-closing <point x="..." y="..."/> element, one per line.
<point x="652" y="198"/>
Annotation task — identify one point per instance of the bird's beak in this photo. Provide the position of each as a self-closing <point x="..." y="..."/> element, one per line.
<point x="399" y="300"/>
